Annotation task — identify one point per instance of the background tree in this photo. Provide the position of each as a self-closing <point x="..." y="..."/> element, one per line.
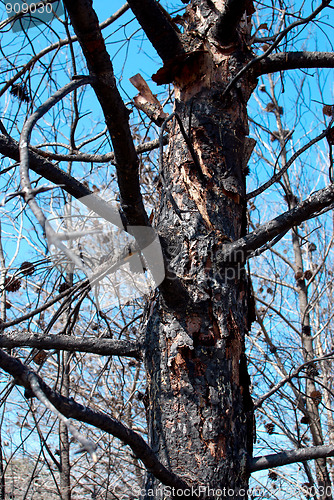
<point x="294" y="292"/>
<point x="191" y="331"/>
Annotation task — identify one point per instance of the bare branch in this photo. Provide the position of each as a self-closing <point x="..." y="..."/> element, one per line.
<point x="86" y="444"/>
<point x="225" y="29"/>
<point x="294" y="60"/>
<point x="9" y="147"/>
<point x="241" y="249"/>
<point x="96" y="158"/>
<point x="70" y="409"/>
<point x="46" y="305"/>
<point x="170" y="287"/>
<point x="280" y="37"/>
<point x="158" y="27"/>
<point x="290" y="457"/>
<point x="105" y="347"/>
<point x="85" y="24"/>
<point x="27" y="190"/>
<point x="56" y="46"/>
<point x="279" y="174"/>
<point x="258" y="403"/>
<point x="25" y="140"/>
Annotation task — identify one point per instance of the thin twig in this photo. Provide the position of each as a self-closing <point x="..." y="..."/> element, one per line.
<point x="87" y="444"/>
<point x="70" y="408"/>
<point x="279" y="174"/>
<point x="27" y="190"/>
<point x="280" y="37"/>
<point x="258" y="403"/>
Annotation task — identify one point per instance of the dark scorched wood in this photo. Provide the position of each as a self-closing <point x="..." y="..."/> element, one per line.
<point x="200" y="412"/>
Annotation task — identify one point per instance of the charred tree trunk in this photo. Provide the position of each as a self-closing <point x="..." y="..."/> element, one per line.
<point x="199" y="407"/>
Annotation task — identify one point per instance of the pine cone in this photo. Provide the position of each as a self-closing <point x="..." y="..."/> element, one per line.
<point x="270" y="428"/>
<point x="272" y="475"/>
<point x="64" y="286"/>
<point x="12" y="284"/>
<point x="27" y="268"/>
<point x="316" y="397"/>
<point x="20" y="91"/>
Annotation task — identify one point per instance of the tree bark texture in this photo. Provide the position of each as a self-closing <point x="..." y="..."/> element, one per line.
<point x="200" y="412"/>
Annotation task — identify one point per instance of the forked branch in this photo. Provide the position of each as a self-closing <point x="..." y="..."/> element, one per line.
<point x="254" y="63"/>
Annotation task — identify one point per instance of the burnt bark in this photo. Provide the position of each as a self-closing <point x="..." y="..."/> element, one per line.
<point x="294" y="60"/>
<point x="226" y="27"/>
<point x="200" y="412"/>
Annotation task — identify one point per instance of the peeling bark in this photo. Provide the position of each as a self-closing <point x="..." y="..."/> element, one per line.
<point x="200" y="411"/>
